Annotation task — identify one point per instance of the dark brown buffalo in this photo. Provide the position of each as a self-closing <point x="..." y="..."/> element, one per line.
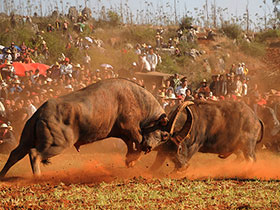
<point x="272" y="128"/>
<point x="110" y="108"/>
<point x="223" y="128"/>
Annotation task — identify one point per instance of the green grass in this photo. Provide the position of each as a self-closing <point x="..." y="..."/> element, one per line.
<point x="139" y="193"/>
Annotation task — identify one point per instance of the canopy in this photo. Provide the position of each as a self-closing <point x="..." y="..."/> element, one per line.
<point x="20" y="68"/>
<point x="42" y="67"/>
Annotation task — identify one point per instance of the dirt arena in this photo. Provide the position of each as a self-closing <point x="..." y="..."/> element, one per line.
<point x="104" y="162"/>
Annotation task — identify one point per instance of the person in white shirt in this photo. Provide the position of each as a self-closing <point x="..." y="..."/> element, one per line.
<point x="66" y="68"/>
<point x="31" y="109"/>
<point x="181" y="89"/>
<point x="144" y="64"/>
<point x="152" y="59"/>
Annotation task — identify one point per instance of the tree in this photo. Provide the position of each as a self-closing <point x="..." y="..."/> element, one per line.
<point x="186" y="22"/>
<point x="113" y="18"/>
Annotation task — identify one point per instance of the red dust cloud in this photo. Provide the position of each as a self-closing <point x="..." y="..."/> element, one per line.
<point x="104" y="162"/>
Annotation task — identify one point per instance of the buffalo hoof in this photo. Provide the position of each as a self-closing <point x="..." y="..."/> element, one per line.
<point x="130" y="164"/>
<point x="180" y="170"/>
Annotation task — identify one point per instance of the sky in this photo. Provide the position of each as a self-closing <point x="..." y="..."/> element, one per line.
<point x="234" y="7"/>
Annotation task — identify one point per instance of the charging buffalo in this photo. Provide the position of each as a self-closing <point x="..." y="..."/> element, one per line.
<point x="223" y="128"/>
<point x="110" y="108"/>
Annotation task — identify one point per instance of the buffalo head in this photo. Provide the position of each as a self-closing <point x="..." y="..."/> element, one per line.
<point x="176" y="129"/>
<point x="268" y="116"/>
<point x="155" y="134"/>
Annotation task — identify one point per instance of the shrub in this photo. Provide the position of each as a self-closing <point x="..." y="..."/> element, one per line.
<point x="139" y="34"/>
<point x="232" y="31"/>
<point x="186" y="22"/>
<point x="263" y="36"/>
<point x="254" y="49"/>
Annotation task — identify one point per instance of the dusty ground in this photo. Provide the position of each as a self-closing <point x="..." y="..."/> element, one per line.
<point x="104" y="161"/>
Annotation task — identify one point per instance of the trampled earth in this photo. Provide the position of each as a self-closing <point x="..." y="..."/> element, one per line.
<point x="98" y="178"/>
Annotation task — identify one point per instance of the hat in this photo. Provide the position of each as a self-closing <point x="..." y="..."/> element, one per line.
<point x="43" y="91"/>
<point x="97" y="70"/>
<point x="134" y="64"/>
<point x="67" y="59"/>
<point x="162" y="95"/>
<point x="78" y="66"/>
<point x="204" y="80"/>
<point x="8" y="51"/>
<point x="49" y="79"/>
<point x="17" y="82"/>
<point x="4" y="125"/>
<point x="68" y="87"/>
<point x="4" y="84"/>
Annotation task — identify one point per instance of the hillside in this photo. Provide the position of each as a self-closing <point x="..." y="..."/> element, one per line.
<point x="114" y="44"/>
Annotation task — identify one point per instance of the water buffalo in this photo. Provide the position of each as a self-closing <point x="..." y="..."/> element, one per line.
<point x="272" y="128"/>
<point x="110" y="108"/>
<point x="223" y="128"/>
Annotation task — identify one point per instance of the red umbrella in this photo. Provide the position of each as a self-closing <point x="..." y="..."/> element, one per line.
<point x="20" y="68"/>
<point x="42" y="67"/>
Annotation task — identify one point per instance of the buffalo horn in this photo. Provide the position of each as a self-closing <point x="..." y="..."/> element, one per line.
<point x="179" y="110"/>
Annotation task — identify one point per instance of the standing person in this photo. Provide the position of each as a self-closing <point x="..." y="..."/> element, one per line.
<point x="244" y="87"/>
<point x="240" y="70"/>
<point x="204" y="89"/>
<point x="87" y="60"/>
<point x="7" y="139"/>
<point x="238" y="90"/>
<point x="159" y="40"/>
<point x="152" y="59"/>
<point x="231" y="85"/>
<point x="144" y="65"/>
<point x="222" y="86"/>
<point x="214" y="85"/>
<point x="175" y="81"/>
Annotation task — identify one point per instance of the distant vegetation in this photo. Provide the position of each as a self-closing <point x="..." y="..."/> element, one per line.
<point x="111" y="24"/>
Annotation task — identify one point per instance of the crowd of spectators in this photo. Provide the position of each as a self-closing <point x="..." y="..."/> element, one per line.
<point x="20" y="97"/>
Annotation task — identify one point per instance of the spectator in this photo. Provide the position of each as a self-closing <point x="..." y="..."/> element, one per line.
<point x="7" y="139"/>
<point x="175" y="81"/>
<point x="189" y="96"/>
<point x="30" y="108"/>
<point x="144" y="65"/>
<point x="152" y="59"/>
<point x="35" y="76"/>
<point x="214" y="85"/>
<point x="240" y="70"/>
<point x="238" y="90"/>
<point x="204" y="89"/>
<point x="231" y="85"/>
<point x="66" y="68"/>
<point x="222" y="86"/>
<point x="181" y="89"/>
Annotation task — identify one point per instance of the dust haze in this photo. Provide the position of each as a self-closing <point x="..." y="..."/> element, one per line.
<point x="104" y="162"/>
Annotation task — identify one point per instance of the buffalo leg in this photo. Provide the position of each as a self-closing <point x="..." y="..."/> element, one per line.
<point x="249" y="152"/>
<point x="35" y="160"/>
<point x="132" y="155"/>
<point x="160" y="158"/>
<point x="52" y="151"/>
<point x="16" y="155"/>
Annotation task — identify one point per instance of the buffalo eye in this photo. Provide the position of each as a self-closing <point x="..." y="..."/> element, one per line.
<point x="165" y="136"/>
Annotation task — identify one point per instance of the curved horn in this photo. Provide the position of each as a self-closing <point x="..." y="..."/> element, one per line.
<point x="180" y="108"/>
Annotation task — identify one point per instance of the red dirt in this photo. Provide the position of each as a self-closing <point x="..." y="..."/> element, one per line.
<point x="95" y="166"/>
